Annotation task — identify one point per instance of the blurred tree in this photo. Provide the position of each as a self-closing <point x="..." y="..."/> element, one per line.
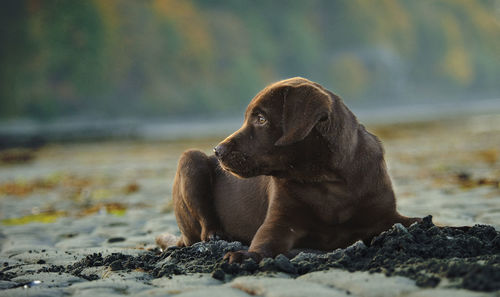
<point x="188" y="57"/>
<point x="15" y="45"/>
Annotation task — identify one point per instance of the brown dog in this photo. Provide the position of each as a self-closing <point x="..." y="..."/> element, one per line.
<point x="300" y="173"/>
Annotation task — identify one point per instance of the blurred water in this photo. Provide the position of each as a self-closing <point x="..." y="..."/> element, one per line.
<point x="31" y="133"/>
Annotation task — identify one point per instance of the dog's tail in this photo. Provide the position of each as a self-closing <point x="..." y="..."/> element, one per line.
<point x="165" y="240"/>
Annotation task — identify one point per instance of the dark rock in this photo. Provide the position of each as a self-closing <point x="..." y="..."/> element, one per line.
<point x="267" y="264"/>
<point x="249" y="265"/>
<point x="230" y="268"/>
<point x="116" y="265"/>
<point x="219" y="274"/>
<point x="116" y="239"/>
<point x="167" y="270"/>
<point x="427" y="281"/>
<point x="283" y="264"/>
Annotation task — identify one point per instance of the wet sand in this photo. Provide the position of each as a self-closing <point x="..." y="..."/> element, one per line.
<point x="80" y="219"/>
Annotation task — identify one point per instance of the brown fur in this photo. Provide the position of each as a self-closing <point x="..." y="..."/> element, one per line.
<point x="301" y="173"/>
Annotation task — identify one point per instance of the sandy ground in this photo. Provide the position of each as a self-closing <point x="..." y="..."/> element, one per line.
<point x="65" y="202"/>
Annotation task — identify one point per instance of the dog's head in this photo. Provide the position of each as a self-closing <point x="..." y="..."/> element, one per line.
<point x="277" y="122"/>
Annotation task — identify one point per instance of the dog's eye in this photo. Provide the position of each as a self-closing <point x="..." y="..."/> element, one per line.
<point x="261" y="120"/>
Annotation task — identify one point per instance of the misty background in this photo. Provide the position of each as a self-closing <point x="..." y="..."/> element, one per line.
<point x="188" y="62"/>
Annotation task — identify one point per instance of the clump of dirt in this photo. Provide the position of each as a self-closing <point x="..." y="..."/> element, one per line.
<point x="469" y="257"/>
<point x="198" y="258"/>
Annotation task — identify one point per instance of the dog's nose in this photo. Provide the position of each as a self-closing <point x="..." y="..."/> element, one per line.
<point x="219" y="151"/>
<point x="223" y="149"/>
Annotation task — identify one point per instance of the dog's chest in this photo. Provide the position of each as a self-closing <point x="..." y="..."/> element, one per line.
<point x="327" y="202"/>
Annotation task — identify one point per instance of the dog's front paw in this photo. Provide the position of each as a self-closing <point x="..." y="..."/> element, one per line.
<point x="240" y="256"/>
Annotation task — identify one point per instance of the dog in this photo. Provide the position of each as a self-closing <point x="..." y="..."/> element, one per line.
<point x="301" y="173"/>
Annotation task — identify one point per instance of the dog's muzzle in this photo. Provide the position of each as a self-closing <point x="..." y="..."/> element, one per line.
<point x="233" y="161"/>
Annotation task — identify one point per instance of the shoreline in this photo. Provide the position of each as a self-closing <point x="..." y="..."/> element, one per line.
<point x="31" y="134"/>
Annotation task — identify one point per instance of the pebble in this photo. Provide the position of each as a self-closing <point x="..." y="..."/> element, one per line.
<point x="283" y="264"/>
<point x="116" y="265"/>
<point x="219" y="274"/>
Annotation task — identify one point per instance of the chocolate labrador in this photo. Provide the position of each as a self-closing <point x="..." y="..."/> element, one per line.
<point x="301" y="173"/>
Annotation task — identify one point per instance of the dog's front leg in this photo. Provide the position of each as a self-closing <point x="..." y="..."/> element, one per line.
<point x="275" y="236"/>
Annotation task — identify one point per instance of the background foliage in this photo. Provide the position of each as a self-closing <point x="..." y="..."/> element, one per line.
<point x="170" y="58"/>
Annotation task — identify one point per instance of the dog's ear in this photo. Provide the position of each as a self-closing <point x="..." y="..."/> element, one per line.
<point x="304" y="106"/>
